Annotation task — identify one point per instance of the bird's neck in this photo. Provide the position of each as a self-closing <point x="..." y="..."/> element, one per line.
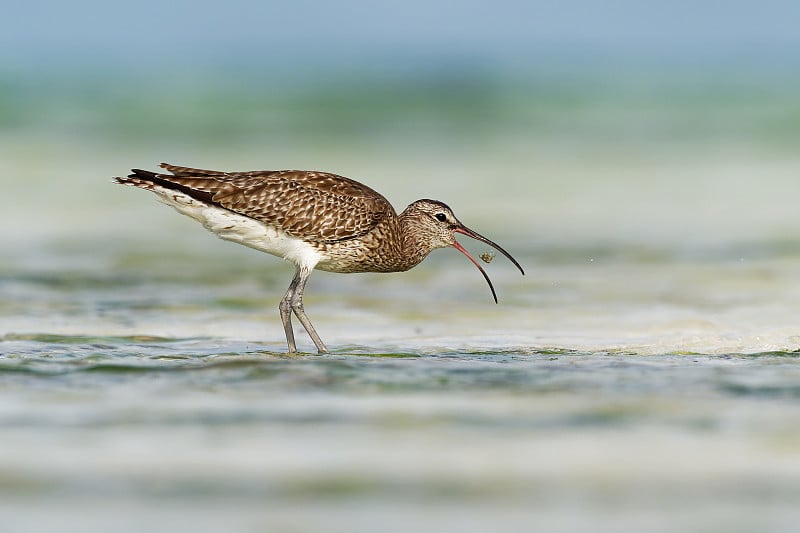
<point x="415" y="246"/>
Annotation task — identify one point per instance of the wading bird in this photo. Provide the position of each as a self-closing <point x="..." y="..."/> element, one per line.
<point x="311" y="219"/>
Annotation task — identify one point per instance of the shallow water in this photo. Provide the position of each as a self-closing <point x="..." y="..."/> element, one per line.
<point x="625" y="391"/>
<point x="357" y="440"/>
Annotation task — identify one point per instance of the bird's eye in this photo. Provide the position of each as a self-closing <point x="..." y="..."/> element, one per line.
<point x="441" y="217"/>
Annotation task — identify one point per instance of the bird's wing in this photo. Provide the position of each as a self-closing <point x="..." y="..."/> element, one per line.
<point x="316" y="206"/>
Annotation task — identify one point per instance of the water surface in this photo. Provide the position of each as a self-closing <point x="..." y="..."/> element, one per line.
<point x="615" y="393"/>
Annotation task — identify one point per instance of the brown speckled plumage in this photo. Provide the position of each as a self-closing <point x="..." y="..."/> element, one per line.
<point x="314" y="219"/>
<point x="315" y="206"/>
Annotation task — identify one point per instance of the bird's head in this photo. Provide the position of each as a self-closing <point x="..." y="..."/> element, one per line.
<point x="435" y="225"/>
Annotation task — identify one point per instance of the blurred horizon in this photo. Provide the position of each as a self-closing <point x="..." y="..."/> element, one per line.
<point x="225" y="68"/>
<point x="196" y="71"/>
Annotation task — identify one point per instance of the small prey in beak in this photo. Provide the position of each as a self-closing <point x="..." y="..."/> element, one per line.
<point x="460" y="228"/>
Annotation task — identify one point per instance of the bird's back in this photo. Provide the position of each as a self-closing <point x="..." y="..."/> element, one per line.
<point x="317" y="207"/>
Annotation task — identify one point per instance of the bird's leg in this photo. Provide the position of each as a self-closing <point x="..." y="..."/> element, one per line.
<point x="285" y="308"/>
<point x="296" y="302"/>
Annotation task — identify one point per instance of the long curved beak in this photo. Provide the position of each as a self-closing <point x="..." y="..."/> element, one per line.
<point x="478" y="237"/>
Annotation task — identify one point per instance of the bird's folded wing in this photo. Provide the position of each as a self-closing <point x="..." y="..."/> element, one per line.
<point x="315" y="206"/>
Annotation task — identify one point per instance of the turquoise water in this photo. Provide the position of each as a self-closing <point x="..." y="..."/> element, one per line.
<point x="643" y="375"/>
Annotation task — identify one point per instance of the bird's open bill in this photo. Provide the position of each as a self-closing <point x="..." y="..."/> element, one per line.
<point x="477" y="236"/>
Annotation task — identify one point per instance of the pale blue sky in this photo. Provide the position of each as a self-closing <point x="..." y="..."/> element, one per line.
<point x="500" y="33"/>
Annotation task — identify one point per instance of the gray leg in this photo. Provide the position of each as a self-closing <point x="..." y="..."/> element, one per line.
<point x="297" y="306"/>
<point x="285" y="308"/>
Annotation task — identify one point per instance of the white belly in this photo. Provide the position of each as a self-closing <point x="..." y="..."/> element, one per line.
<point x="241" y="229"/>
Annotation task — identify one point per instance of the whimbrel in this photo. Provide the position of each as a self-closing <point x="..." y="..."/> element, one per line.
<point x="311" y="219"/>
